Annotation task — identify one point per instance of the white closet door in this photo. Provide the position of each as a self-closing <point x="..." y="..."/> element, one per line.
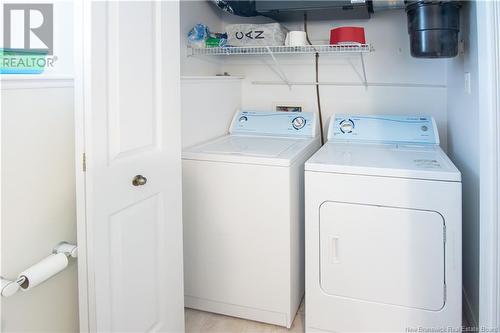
<point x="133" y="204"/>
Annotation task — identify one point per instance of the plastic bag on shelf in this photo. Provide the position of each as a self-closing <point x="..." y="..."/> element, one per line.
<point x="198" y="35"/>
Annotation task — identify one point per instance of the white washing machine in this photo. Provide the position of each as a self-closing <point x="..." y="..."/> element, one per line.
<point x="243" y="215"/>
<point x="383" y="228"/>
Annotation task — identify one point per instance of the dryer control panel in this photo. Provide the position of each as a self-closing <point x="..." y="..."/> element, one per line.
<point x="383" y="129"/>
<point x="298" y="124"/>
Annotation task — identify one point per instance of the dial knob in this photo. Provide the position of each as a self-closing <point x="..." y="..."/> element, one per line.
<point x="298" y="122"/>
<point x="243" y="119"/>
<point x="346" y="126"/>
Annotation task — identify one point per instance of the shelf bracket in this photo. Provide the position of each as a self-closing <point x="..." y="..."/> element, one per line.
<point x="365" y="82"/>
<point x="279" y="69"/>
<point x="360" y="74"/>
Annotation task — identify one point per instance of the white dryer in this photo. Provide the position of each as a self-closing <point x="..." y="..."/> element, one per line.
<point x="243" y="215"/>
<point x="383" y="228"/>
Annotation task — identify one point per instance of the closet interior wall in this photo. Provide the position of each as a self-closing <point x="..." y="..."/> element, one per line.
<point x="463" y="149"/>
<point x="390" y="62"/>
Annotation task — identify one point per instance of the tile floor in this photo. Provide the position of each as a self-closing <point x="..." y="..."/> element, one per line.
<point x="206" y="322"/>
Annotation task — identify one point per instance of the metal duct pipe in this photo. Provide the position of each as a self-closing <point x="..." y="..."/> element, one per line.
<point x="379" y="5"/>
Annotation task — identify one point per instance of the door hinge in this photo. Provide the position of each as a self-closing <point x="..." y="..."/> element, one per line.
<point x="84" y="162"/>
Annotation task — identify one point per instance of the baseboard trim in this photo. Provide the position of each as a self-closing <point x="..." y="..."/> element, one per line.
<point x="470" y="317"/>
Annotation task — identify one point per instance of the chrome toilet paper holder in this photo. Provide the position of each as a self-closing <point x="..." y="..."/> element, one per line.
<point x="70" y="250"/>
<point x="10" y="287"/>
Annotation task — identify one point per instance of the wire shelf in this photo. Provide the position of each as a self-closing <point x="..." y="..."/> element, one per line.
<point x="266" y="50"/>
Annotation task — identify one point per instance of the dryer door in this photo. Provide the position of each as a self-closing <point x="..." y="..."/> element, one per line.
<point x="383" y="254"/>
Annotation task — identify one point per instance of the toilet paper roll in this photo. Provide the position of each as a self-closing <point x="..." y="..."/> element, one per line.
<point x="296" y="38"/>
<point x="43" y="270"/>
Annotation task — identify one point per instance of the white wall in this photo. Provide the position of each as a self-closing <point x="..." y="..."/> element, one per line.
<point x="389" y="63"/>
<point x="193" y="12"/>
<point x="208" y="106"/>
<point x="38" y="185"/>
<point x="208" y="102"/>
<point x="463" y="149"/>
<point x="38" y="205"/>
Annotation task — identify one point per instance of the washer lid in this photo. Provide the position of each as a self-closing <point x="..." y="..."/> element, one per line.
<point x="249" y="149"/>
<point x="388" y="160"/>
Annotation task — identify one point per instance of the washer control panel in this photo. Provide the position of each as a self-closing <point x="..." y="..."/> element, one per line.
<point x="384" y="129"/>
<point x="302" y="124"/>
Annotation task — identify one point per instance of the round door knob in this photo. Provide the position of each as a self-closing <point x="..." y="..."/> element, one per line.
<point x="139" y="180"/>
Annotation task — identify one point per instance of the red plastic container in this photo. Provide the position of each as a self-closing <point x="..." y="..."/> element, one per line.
<point x="345" y="35"/>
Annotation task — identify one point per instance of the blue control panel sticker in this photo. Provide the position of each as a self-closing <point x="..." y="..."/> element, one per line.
<point x="381" y="128"/>
<point x="301" y="124"/>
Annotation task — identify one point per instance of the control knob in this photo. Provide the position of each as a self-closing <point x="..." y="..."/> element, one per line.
<point x="346" y="126"/>
<point x="298" y="122"/>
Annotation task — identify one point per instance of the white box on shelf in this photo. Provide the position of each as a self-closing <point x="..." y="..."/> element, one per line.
<point x="270" y="34"/>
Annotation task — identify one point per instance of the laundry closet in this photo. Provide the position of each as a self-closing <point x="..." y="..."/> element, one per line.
<point x="378" y="78"/>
